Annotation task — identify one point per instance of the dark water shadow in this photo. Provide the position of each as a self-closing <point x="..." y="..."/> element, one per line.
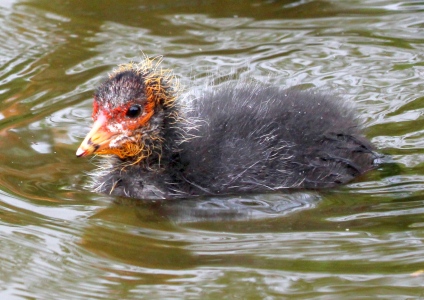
<point x="236" y="208"/>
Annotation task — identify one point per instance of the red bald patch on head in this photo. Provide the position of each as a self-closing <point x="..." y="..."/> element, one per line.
<point x="118" y="115"/>
<point x="95" y="109"/>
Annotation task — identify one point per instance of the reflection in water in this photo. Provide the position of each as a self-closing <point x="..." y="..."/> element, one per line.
<point x="153" y="234"/>
<point x="240" y="208"/>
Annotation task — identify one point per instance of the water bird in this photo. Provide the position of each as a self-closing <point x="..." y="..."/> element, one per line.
<point x="236" y="138"/>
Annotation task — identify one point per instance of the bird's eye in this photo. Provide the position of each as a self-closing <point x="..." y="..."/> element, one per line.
<point x="134" y="111"/>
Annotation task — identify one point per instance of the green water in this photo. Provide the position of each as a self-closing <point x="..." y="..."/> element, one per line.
<point x="58" y="240"/>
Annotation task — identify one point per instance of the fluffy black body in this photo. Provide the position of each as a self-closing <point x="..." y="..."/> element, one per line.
<point x="246" y="139"/>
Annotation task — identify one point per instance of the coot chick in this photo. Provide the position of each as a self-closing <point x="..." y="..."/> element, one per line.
<point x="235" y="139"/>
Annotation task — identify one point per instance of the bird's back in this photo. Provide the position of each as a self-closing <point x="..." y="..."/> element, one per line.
<point x="263" y="138"/>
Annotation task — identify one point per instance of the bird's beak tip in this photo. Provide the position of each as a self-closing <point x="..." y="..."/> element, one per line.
<point x="81" y="152"/>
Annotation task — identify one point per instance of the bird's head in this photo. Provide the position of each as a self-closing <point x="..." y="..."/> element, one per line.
<point x="128" y="112"/>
